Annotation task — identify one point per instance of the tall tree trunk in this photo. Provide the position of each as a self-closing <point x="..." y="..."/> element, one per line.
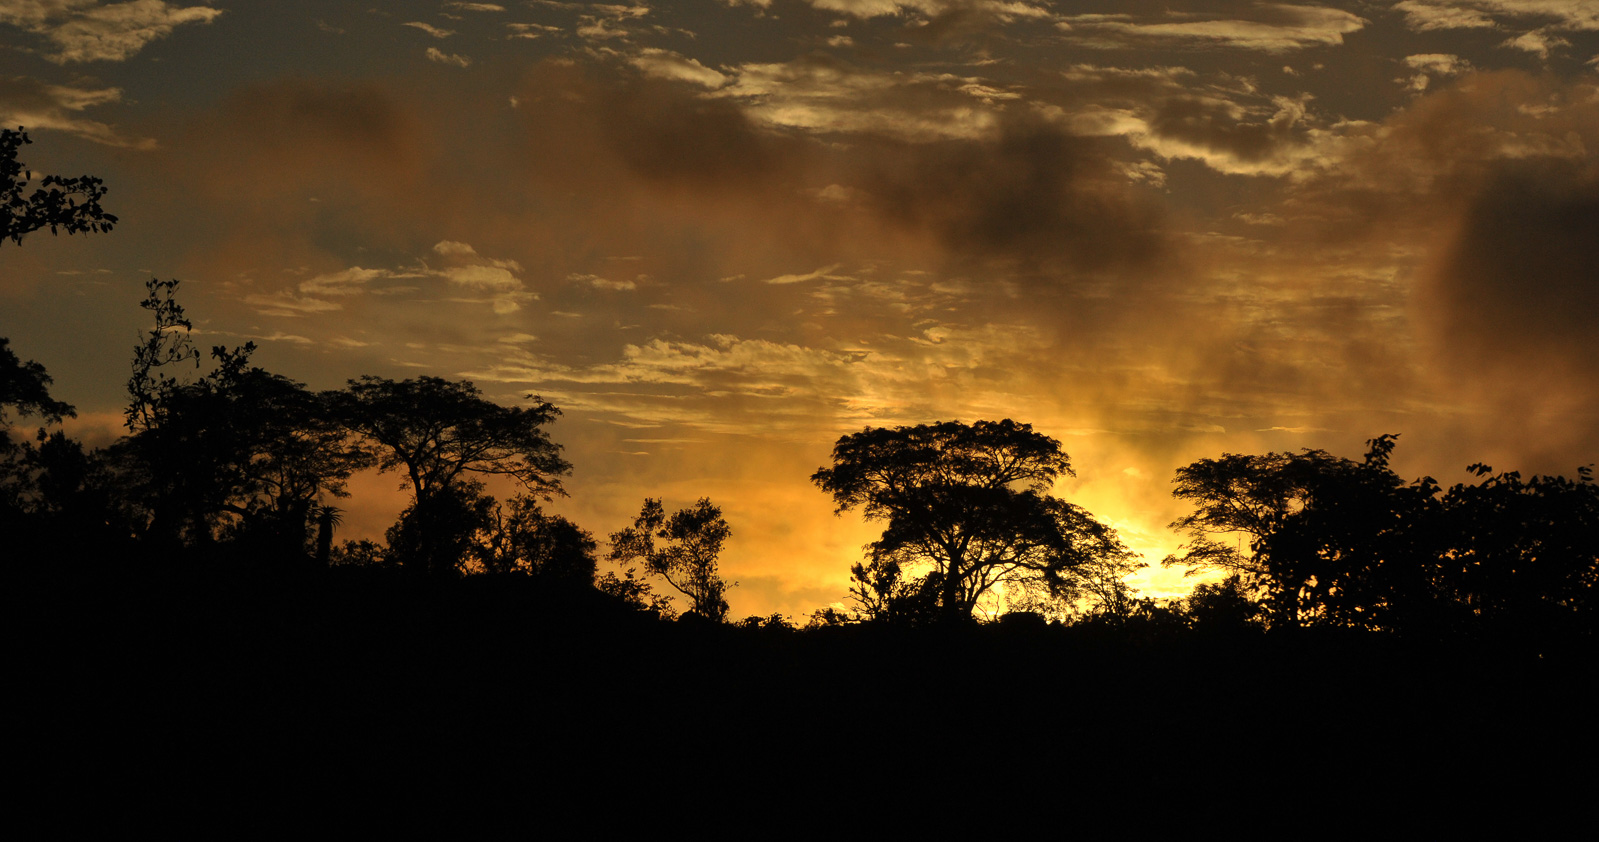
<point x="324" y="536"/>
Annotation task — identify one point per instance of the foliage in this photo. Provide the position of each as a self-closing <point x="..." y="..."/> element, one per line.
<point x="166" y="344"/>
<point x="631" y="590"/>
<point x="966" y="509"/>
<point x="59" y="204"/>
<point x="691" y="539"/>
<point x="1224" y="605"/>
<point x="436" y="430"/>
<point x="518" y="536"/>
<point x="25" y="389"/>
<point x="1335" y="542"/>
<point x="438" y="533"/>
<point x="1312" y="521"/>
<point x="1523" y="555"/>
<point x="238" y="452"/>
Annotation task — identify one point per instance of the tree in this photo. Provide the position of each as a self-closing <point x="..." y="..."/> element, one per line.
<point x="967" y="504"/>
<point x="520" y="537"/>
<point x="59" y="204"/>
<point x="1331" y="541"/>
<point x="439" y="534"/>
<point x="1522" y="556"/>
<point x="693" y="538"/>
<point x="438" y="431"/>
<point x="25" y="389"/>
<point x="238" y="451"/>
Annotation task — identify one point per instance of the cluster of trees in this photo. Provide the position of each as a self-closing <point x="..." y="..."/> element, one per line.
<point x="1316" y="539"/>
<point x="239" y="461"/>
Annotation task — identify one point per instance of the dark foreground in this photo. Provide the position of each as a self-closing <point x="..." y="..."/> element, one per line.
<point x="289" y="696"/>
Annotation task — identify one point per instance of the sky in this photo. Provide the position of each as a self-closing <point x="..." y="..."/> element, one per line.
<point x="721" y="234"/>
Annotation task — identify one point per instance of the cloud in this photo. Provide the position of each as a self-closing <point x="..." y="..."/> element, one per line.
<point x="349" y="281"/>
<point x="1424" y="15"/>
<point x="598" y="282"/>
<point x="475" y="7"/>
<point x="39" y="106"/>
<point x="1268" y="27"/>
<point x="1032" y="193"/>
<point x="435" y="54"/>
<point x="824" y="272"/>
<point x="1429" y="66"/>
<point x="531" y="30"/>
<point x="1283" y="143"/>
<point x="491" y="278"/>
<point x="83" y="30"/>
<point x="1538" y="42"/>
<point x="1000" y="10"/>
<point x="608" y="22"/>
<point x="470" y="270"/>
<point x="665" y="64"/>
<point x="1509" y="303"/>
<point x="430" y="29"/>
<point x="823" y="94"/>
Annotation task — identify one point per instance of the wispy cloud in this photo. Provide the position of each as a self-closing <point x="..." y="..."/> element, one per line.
<point x="37" y="105"/>
<point x="438" y="55"/>
<point x="430" y="29"/>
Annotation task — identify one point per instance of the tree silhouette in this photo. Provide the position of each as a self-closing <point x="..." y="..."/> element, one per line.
<point x="25" y="389"/>
<point x="238" y="452"/>
<point x="691" y="539"/>
<point x="1263" y="499"/>
<point x="519" y="537"/>
<point x="59" y="204"/>
<point x="968" y="503"/>
<point x="1345" y="543"/>
<point x="437" y="431"/>
<point x="1522" y="556"/>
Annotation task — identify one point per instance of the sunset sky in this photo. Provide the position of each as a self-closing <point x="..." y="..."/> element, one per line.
<point x="720" y="234"/>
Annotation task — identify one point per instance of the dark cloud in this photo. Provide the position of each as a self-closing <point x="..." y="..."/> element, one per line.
<point x="1033" y="194"/>
<point x="1518" y="288"/>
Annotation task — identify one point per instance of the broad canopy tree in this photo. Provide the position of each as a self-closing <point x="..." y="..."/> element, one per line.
<point x="968" y="514"/>
<point x="438" y="431"/>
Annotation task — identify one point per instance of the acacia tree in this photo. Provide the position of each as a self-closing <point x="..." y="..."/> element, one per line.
<point x="691" y="539"/>
<point x="437" y="431"/>
<point x="967" y="504"/>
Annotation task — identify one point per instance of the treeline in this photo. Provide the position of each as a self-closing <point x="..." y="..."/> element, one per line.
<point x="227" y="463"/>
<point x="236" y="465"/>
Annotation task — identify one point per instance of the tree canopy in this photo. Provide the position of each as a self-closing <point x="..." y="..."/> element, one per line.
<point x="1349" y="544"/>
<point x="237" y="447"/>
<point x="437" y="430"/>
<point x="967" y="503"/>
